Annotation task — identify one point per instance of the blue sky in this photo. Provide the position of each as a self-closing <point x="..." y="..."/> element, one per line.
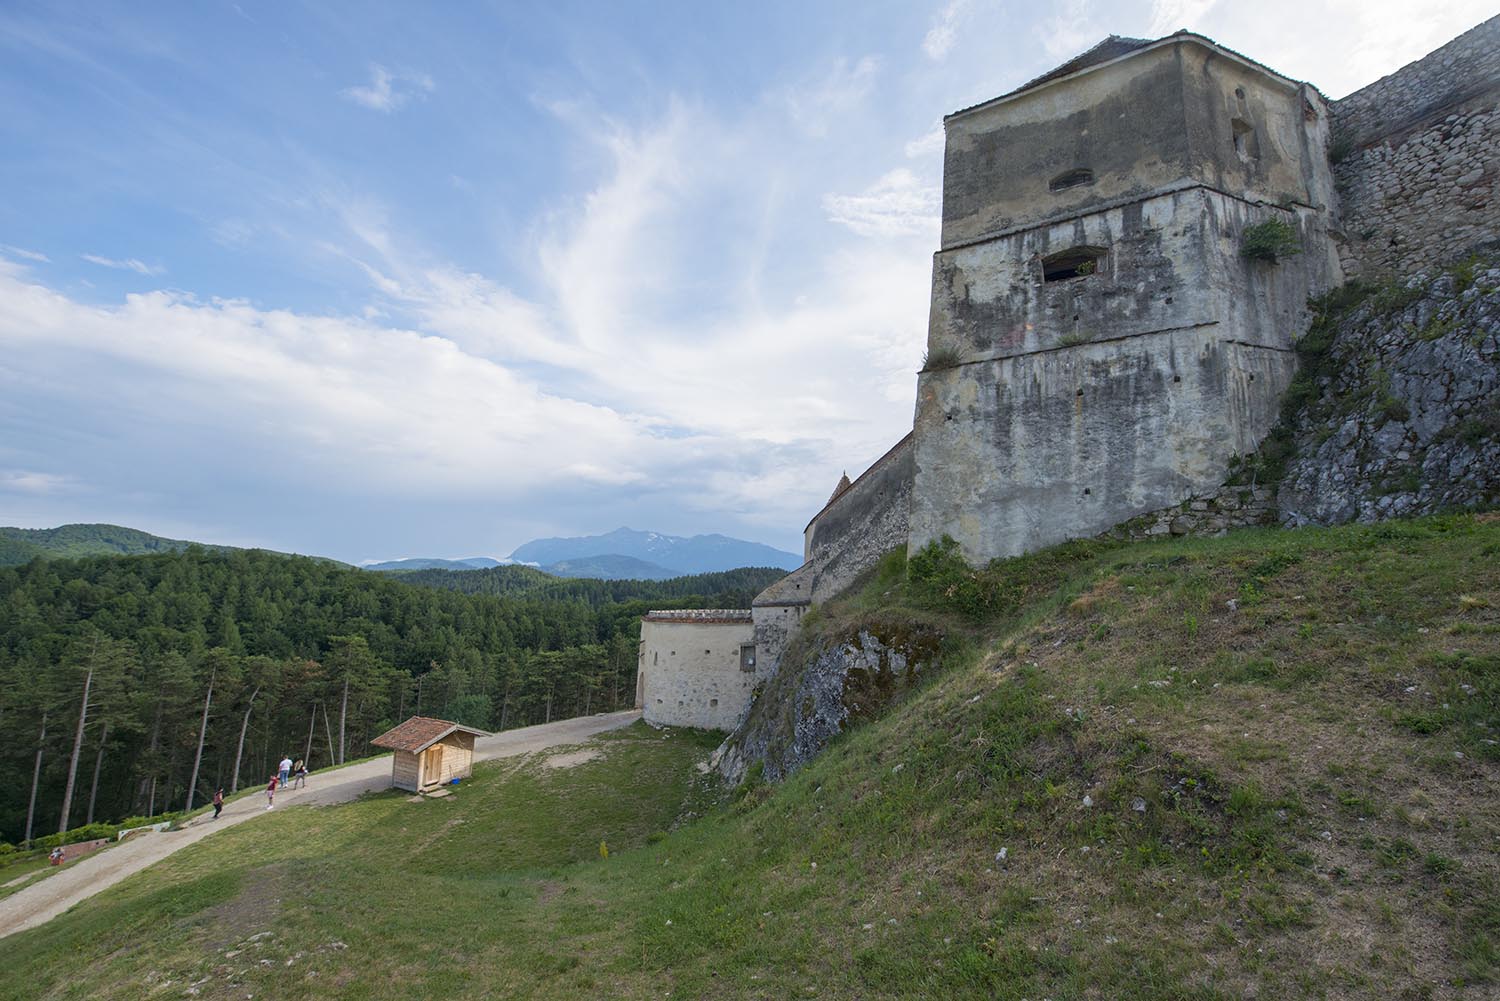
<point x="373" y="280"/>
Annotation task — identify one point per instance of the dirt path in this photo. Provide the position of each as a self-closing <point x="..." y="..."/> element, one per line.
<point x="35" y="905"/>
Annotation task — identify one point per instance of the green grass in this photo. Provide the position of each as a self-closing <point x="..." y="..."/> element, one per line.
<point x="1292" y="797"/>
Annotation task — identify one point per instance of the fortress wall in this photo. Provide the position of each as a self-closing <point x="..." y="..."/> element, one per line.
<point x="1418" y="156"/>
<point x="862" y="524"/>
<point x="690" y="666"/>
<point x="1170" y="260"/>
<point x="1023" y="452"/>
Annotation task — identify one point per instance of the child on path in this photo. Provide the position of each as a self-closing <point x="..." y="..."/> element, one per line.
<point x="218" y="803"/>
<point x="271" y="793"/>
<point x="299" y="772"/>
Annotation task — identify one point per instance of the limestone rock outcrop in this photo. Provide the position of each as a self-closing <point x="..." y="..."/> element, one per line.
<point x="1407" y="422"/>
<point x="825" y="684"/>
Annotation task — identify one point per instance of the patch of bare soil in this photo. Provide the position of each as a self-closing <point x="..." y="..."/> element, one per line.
<point x="573" y="758"/>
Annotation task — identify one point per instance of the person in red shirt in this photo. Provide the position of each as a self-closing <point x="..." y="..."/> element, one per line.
<point x="271" y="793"/>
<point x="218" y="803"/>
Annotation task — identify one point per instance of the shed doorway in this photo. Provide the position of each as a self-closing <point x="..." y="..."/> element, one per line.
<point x="432" y="765"/>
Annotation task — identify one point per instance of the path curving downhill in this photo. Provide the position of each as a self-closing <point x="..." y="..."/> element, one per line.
<point x="37" y="904"/>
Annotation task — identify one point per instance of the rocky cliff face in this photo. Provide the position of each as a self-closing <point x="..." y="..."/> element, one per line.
<point x="1399" y="406"/>
<point x="826" y="682"/>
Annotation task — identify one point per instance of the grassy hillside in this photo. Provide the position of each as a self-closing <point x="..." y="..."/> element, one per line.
<point x="1255" y="766"/>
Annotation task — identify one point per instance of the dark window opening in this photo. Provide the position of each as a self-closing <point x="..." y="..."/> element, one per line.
<point x="1245" y="145"/>
<point x="1075" y="263"/>
<point x="1071" y="179"/>
<point x="1176" y="378"/>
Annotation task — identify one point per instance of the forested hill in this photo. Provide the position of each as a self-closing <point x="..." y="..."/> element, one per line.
<point x="281" y="641"/>
<point x="516" y="580"/>
<point x="22" y="545"/>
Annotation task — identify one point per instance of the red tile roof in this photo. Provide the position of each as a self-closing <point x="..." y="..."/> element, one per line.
<point x="420" y="733"/>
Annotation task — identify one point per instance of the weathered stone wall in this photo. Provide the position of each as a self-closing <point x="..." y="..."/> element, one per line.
<point x="862" y="524"/>
<point x="849" y="536"/>
<point x="1407" y="420"/>
<point x="690" y="666"/>
<point x="1213" y="513"/>
<point x="1418" y="156"/>
<point x="1179" y="110"/>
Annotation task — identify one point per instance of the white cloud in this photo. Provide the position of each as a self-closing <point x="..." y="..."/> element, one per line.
<point x="944" y="31"/>
<point x="1168" y="16"/>
<point x="387" y="90"/>
<point x="1338" y="45"/>
<point x="31" y="482"/>
<point x="896" y="205"/>
<point x="1071" y="29"/>
<point x="22" y="252"/>
<point x="814" y="103"/>
<point x="129" y="264"/>
<point x="927" y="144"/>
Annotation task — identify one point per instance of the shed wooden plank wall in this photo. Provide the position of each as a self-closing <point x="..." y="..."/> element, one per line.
<point x="404" y="772"/>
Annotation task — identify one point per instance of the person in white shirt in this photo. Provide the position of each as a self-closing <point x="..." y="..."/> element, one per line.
<point x="285" y="769"/>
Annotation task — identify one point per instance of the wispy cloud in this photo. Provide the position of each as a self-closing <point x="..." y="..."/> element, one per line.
<point x="944" y="31"/>
<point x="22" y="252"/>
<point x="815" y="102"/>
<point x="1071" y="28"/>
<point x="896" y="205"/>
<point x="387" y="90"/>
<point x="129" y="264"/>
<point x="927" y="143"/>
<point x="28" y="481"/>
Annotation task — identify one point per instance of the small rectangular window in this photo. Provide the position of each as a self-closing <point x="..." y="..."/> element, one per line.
<point x="747" y="656"/>
<point x="1076" y="262"/>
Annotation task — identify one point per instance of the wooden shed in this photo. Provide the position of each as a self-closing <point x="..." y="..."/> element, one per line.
<point x="429" y="752"/>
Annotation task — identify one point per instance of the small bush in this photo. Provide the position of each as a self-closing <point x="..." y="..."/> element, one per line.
<point x="1270" y="241"/>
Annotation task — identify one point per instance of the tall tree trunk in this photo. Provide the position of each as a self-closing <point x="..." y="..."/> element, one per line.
<point x="83" y="715"/>
<point x="505" y="704"/>
<point x="239" y="754"/>
<point x="147" y="787"/>
<point x="202" y="732"/>
<point x="36" y="776"/>
<point x="549" y="704"/>
<point x="98" y="764"/>
<point x="307" y="754"/>
<point x="343" y="713"/>
<point x="328" y="732"/>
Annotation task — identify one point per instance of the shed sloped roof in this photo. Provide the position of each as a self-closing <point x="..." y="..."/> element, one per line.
<point x="420" y="733"/>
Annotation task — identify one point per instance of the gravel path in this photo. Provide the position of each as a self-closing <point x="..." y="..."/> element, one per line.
<point x="35" y="905"/>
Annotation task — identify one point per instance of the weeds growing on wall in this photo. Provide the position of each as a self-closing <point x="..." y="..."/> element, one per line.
<point x="942" y="356"/>
<point x="1270" y="241"/>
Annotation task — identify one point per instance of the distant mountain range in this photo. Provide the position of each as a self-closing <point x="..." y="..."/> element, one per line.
<point x="673" y="553"/>
<point x="472" y="563"/>
<point x="623" y="554"/>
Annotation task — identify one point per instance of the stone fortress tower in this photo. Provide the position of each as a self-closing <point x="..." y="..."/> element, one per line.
<point x="1098" y="346"/>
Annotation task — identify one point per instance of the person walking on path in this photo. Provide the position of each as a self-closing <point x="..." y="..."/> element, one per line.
<point x="271" y="793"/>
<point x="218" y="803"/>
<point x="284" y="770"/>
<point x="299" y="772"/>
